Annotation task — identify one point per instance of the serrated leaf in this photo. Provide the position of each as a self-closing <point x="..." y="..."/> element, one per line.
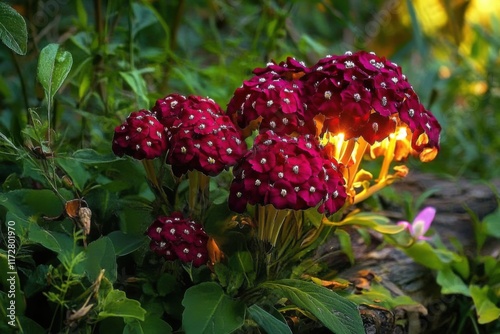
<point x="54" y="65"/>
<point x="209" y="311"/>
<point x="13" y="31"/>
<point x="116" y="304"/>
<point x="335" y="312"/>
<point x="267" y="321"/>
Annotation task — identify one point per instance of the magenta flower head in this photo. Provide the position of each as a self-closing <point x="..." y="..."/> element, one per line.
<point x="289" y="173"/>
<point x="421" y="224"/>
<point x="201" y="137"/>
<point x="273" y="96"/>
<point x="141" y="136"/>
<point x="175" y="237"/>
<point x="363" y="95"/>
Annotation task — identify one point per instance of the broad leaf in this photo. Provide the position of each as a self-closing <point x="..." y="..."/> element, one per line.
<point x="335" y="312"/>
<point x="209" y="311"/>
<point x="486" y="310"/>
<point x="451" y="283"/>
<point x="267" y="321"/>
<point x="116" y="304"/>
<point x="151" y="325"/>
<point x="13" y="32"/>
<point x="423" y="253"/>
<point x="101" y="255"/>
<point x="54" y="65"/>
<point x="125" y="243"/>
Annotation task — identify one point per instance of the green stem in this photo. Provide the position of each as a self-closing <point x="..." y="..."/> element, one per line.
<point x="199" y="194"/>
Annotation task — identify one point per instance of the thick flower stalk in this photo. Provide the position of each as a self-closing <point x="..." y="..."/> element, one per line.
<point x="174" y="237"/>
<point x="141" y="136"/>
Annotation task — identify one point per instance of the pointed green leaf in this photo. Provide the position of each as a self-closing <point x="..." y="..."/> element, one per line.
<point x="268" y="322"/>
<point x="335" y="312"/>
<point x="209" y="311"/>
<point x="116" y="304"/>
<point x="13" y="31"/>
<point x="369" y="220"/>
<point x="54" y="65"/>
<point x="125" y="243"/>
<point x="101" y="255"/>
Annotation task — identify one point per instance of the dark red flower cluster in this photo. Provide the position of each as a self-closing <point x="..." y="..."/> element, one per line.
<point x="357" y="94"/>
<point x="201" y="137"/>
<point x="175" y="237"/>
<point x="274" y="95"/>
<point x="193" y="130"/>
<point x="361" y="94"/>
<point x="142" y="136"/>
<point x="289" y="173"/>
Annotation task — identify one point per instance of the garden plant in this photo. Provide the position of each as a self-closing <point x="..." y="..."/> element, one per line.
<point x="155" y="180"/>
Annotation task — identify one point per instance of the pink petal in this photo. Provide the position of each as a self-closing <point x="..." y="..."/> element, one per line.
<point x="426" y="216"/>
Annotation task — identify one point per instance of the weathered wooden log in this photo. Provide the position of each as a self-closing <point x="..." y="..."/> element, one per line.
<point x="453" y="199"/>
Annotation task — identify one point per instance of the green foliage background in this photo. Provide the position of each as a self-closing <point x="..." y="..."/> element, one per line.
<point x="128" y="53"/>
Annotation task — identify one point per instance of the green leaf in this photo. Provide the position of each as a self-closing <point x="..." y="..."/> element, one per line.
<point x="125" y="243"/>
<point x="101" y="255"/>
<point x="381" y="296"/>
<point x="166" y="284"/>
<point x="335" y="312"/>
<point x="492" y="224"/>
<point x="268" y="322"/>
<point x="486" y="310"/>
<point x="116" y="304"/>
<point x="37" y="280"/>
<point x="90" y="156"/>
<point x="242" y="262"/>
<point x="451" y="283"/>
<point x="31" y="203"/>
<point x="75" y="170"/>
<point x="28" y="325"/>
<point x="9" y="277"/>
<point x="209" y="310"/>
<point x="151" y="325"/>
<point x="423" y="253"/>
<point x="54" y="65"/>
<point x="138" y="85"/>
<point x="369" y="220"/>
<point x="13" y="31"/>
<point x="345" y="244"/>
